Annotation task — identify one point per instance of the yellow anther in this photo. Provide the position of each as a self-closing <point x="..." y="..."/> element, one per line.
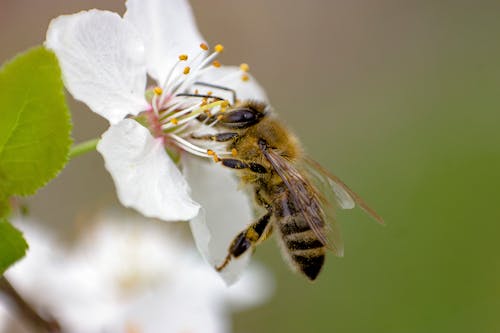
<point x="244" y="67"/>
<point x="204" y="46"/>
<point x="222" y="110"/>
<point x="210" y="152"/>
<point x="187" y="69"/>
<point x="183" y="57"/>
<point x="158" y="90"/>
<point x="234" y="152"/>
<point x="218" y="48"/>
<point x="216" y="63"/>
<point x="209" y="93"/>
<point x="174" y="121"/>
<point x="245" y="78"/>
<point x="224" y="104"/>
<point x="216" y="159"/>
<point x="219" y="117"/>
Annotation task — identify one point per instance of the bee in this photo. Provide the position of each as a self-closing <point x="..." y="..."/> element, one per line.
<point x="295" y="194"/>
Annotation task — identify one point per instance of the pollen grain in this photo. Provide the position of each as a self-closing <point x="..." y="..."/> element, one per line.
<point x="219" y="48"/>
<point x="244" y="67"/>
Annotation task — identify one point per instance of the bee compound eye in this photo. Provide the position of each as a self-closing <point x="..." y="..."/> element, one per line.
<point x="241" y="118"/>
<point x="240" y="115"/>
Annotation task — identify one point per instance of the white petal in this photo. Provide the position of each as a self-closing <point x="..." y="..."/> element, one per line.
<point x="102" y="60"/>
<point x="145" y="177"/>
<point x="168" y="29"/>
<point x="230" y="77"/>
<point x="4" y="317"/>
<point x="226" y="211"/>
<point x="255" y="287"/>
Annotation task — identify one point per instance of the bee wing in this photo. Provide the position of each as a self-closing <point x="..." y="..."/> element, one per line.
<point x="307" y="200"/>
<point x="345" y="197"/>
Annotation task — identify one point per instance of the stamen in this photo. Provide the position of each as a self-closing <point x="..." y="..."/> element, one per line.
<point x="245" y="78"/>
<point x="158" y="91"/>
<point x="174" y="121"/>
<point x="219" y="48"/>
<point x="204" y="46"/>
<point x="183" y="57"/>
<point x="188" y="146"/>
<point x="181" y="86"/>
<point x="212" y="153"/>
<point x="216" y="64"/>
<point x="188" y="115"/>
<point x="186" y="71"/>
<point x="154" y="104"/>
<point x="244" y="67"/>
<point x="173" y="83"/>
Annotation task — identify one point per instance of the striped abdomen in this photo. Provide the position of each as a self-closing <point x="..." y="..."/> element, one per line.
<point x="300" y="243"/>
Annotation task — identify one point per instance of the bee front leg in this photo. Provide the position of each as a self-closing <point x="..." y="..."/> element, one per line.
<point x="204" y="84"/>
<point x="234" y="163"/>
<point x="248" y="239"/>
<point x="219" y="137"/>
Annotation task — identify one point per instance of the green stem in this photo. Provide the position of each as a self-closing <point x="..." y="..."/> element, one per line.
<point x="82" y="148"/>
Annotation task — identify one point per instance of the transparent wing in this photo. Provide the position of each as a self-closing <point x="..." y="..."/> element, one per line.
<point x="330" y="190"/>
<point x="308" y="200"/>
<point x="335" y="189"/>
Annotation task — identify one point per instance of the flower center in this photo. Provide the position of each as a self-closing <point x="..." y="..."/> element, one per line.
<point x="179" y="112"/>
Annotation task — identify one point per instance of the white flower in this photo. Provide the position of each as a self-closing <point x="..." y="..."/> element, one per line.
<point x="105" y="60"/>
<point x="129" y="274"/>
<point x="4" y="317"/>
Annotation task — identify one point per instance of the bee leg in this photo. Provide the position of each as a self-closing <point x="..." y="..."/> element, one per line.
<point x="204" y="84"/>
<point x="248" y="239"/>
<point x="234" y="163"/>
<point x="220" y="137"/>
<point x="200" y="96"/>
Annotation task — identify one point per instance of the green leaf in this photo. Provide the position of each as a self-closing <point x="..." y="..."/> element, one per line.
<point x="35" y="124"/>
<point x="12" y="245"/>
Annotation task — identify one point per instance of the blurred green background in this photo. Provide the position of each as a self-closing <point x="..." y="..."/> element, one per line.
<point x="401" y="99"/>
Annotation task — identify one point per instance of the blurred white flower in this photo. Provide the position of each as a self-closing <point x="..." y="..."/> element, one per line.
<point x="105" y="60"/>
<point x="4" y="317"/>
<point x="129" y="274"/>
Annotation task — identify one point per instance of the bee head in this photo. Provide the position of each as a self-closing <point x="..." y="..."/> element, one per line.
<point x="245" y="115"/>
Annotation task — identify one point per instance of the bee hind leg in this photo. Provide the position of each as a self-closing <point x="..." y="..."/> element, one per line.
<point x="248" y="239"/>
